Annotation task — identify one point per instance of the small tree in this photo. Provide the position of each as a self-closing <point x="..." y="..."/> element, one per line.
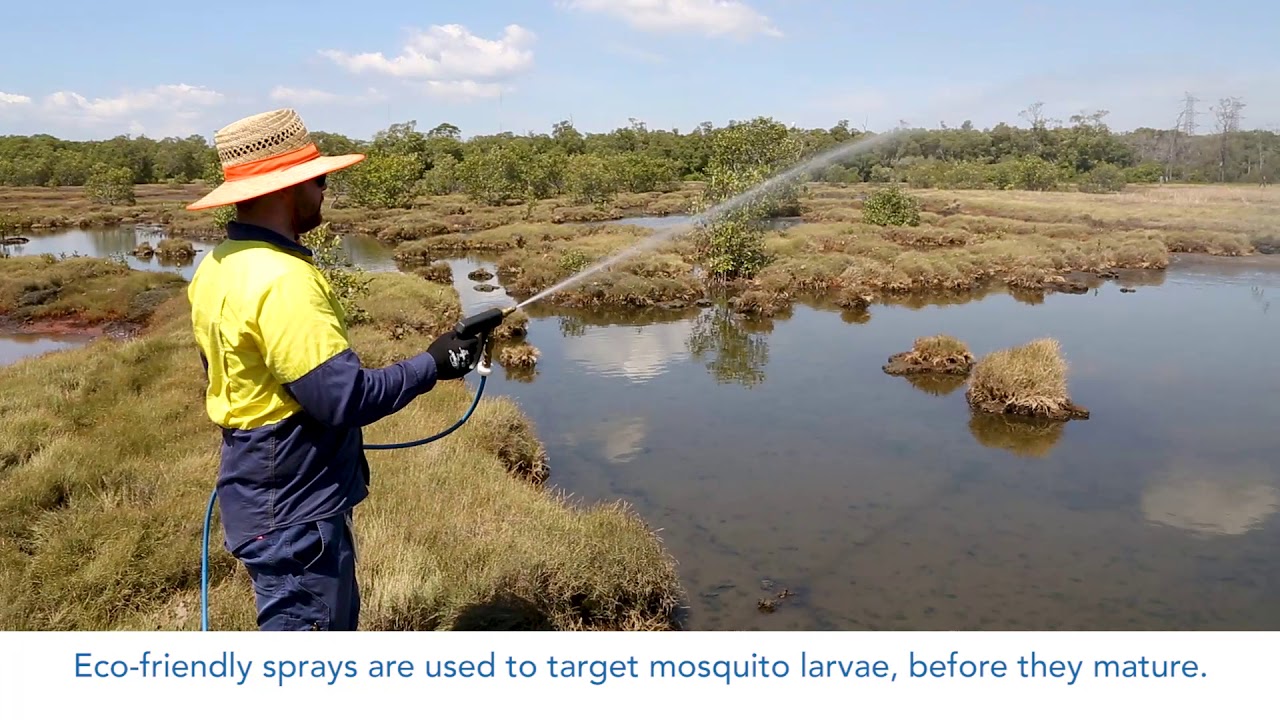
<point x="442" y="178"/>
<point x="891" y="206"/>
<point x="348" y="282"/>
<point x="590" y="179"/>
<point x="743" y="156"/>
<point x="383" y="181"/>
<point x="110" y="185"/>
<point x="1035" y="173"/>
<point x="1103" y="178"/>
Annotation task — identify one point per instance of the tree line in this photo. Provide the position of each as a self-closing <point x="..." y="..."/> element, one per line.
<point x="501" y="168"/>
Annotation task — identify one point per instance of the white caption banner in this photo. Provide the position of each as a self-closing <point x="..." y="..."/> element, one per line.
<point x="622" y="675"/>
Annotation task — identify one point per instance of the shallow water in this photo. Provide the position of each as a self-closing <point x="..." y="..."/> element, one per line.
<point x="777" y="455"/>
<point x="17" y="346"/>
<point x="106" y="242"/>
<point x="787" y="459"/>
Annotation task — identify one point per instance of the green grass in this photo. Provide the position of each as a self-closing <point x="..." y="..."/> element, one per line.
<point x="107" y="460"/>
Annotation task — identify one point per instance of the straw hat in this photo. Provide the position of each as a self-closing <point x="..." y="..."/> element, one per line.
<point x="264" y="153"/>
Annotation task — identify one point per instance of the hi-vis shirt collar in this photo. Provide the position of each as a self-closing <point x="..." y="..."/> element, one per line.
<point x="237" y="230"/>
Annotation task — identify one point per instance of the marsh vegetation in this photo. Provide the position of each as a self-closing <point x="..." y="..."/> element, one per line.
<point x="902" y="252"/>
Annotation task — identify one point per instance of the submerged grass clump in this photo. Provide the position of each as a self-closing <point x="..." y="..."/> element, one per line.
<point x="107" y="460"/>
<point x="1028" y="380"/>
<point x="933" y="354"/>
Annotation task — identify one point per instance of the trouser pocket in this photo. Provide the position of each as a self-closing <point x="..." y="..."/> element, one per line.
<point x="303" y="576"/>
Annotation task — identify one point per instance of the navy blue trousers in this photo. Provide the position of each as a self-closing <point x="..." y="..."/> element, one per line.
<point x="304" y="576"/>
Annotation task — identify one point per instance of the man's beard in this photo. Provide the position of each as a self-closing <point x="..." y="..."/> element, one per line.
<point x="302" y="224"/>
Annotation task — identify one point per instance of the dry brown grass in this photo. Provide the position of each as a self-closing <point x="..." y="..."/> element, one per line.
<point x="1028" y="380"/>
<point x="43" y="207"/>
<point x="645" y="279"/>
<point x="933" y="354"/>
<point x="437" y="272"/>
<point x="80" y="291"/>
<point x="107" y="460"/>
<point x="522" y="355"/>
<point x="433" y="215"/>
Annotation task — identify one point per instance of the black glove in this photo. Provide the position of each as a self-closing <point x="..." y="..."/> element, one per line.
<point x="454" y="356"/>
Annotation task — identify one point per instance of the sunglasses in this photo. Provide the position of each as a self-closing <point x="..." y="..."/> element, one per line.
<point x="322" y="181"/>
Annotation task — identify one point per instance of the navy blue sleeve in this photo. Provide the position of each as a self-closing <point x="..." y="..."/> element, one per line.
<point x="341" y="393"/>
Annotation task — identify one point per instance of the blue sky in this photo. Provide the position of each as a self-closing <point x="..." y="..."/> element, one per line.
<point x="93" y="70"/>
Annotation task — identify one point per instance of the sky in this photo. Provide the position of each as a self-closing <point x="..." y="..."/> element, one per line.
<point x="90" y="70"/>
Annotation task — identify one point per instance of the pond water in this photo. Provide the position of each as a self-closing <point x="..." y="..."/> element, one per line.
<point x="107" y="242"/>
<point x="776" y="455"/>
<point x="16" y="346"/>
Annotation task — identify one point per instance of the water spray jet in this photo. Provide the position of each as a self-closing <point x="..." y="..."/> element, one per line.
<point x="737" y="201"/>
<point x="482" y="324"/>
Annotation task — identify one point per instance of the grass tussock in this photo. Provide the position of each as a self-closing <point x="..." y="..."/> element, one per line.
<point x="175" y="249"/>
<point x="80" y="291"/>
<point x="1028" y="380"/>
<point x="516" y="326"/>
<point x="522" y="355"/>
<point x="439" y="272"/>
<point x="933" y="354"/>
<point x="107" y="461"/>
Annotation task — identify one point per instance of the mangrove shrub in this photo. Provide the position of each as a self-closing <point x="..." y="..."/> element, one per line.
<point x="891" y="206"/>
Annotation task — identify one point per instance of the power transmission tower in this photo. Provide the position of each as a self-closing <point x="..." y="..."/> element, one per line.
<point x="1187" y="120"/>
<point x="1185" y="125"/>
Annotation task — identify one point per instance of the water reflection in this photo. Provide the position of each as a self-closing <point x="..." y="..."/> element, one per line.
<point x="637" y="352"/>
<point x="1225" y="500"/>
<point x="18" y="346"/>
<point x="737" y="345"/>
<point x="936" y="384"/>
<point x="119" y="242"/>
<point x="368" y="253"/>
<point x="1026" y="437"/>
<point x="617" y="440"/>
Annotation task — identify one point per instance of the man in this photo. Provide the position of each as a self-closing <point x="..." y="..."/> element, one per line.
<point x="283" y="382"/>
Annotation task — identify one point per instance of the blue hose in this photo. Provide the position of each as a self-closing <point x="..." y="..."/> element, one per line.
<point x="208" y="516"/>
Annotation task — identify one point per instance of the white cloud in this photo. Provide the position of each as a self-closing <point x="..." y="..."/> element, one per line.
<point x="157" y="111"/>
<point x="713" y="18"/>
<point x="447" y="53"/>
<point x="461" y="90"/>
<point x="182" y="100"/>
<point x="310" y="96"/>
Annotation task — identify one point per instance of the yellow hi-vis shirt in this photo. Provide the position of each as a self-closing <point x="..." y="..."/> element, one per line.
<point x="285" y="386"/>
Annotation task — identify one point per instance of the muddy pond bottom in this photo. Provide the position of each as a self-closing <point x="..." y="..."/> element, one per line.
<point x="799" y="487"/>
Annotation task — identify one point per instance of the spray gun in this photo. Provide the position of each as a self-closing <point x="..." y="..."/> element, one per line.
<point x="482" y="324"/>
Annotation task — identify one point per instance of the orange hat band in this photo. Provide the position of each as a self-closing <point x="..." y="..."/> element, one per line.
<point x="284" y="161"/>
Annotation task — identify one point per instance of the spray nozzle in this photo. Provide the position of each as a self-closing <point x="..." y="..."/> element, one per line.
<point x="482" y="323"/>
